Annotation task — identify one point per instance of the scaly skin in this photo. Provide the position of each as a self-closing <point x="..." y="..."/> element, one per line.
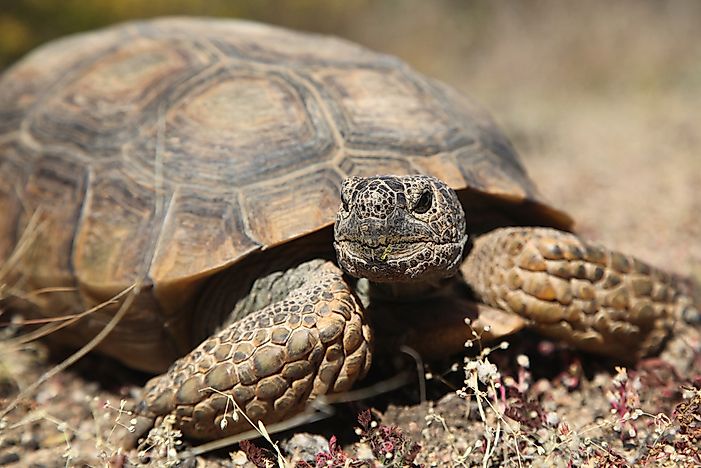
<point x="314" y="341"/>
<point x="596" y="299"/>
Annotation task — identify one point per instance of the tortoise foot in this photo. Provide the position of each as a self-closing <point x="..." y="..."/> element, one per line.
<point x="267" y="365"/>
<point x="594" y="298"/>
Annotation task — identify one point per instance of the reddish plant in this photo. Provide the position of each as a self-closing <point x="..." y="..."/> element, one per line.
<point x="260" y="457"/>
<point x="388" y="443"/>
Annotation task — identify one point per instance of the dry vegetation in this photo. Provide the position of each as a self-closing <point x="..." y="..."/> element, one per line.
<point x="602" y="101"/>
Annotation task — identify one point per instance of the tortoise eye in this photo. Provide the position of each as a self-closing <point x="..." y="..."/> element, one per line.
<point x="424" y="203"/>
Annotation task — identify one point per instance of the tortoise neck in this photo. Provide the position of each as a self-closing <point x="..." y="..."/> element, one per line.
<point x="402" y="291"/>
<point x="253" y="283"/>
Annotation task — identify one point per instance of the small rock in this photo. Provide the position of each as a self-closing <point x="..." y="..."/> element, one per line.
<point x="364" y="452"/>
<point x="7" y="458"/>
<point x="239" y="458"/>
<point x="304" y="446"/>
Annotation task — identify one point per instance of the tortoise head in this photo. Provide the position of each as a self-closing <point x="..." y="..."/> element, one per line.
<point x="399" y="228"/>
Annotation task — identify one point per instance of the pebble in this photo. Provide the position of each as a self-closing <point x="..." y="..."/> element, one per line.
<point x="7" y="458"/>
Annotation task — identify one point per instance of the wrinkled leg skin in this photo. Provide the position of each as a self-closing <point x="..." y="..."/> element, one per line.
<point x="596" y="299"/>
<point x="272" y="362"/>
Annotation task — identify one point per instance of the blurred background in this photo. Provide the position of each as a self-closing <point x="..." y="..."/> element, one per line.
<point x="601" y="98"/>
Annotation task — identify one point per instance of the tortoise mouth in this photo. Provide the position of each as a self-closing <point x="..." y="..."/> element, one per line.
<point x="398" y="261"/>
<point x="382" y="252"/>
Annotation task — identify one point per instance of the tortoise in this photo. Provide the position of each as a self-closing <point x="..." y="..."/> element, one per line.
<point x="274" y="203"/>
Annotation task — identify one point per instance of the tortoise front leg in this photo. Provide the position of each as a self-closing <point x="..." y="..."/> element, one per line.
<point x="596" y="299"/>
<point x="312" y="342"/>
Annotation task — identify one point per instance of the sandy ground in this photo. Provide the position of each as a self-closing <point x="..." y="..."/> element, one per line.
<point x="602" y="102"/>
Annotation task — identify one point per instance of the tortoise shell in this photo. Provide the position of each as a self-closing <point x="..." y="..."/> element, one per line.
<point x="162" y="152"/>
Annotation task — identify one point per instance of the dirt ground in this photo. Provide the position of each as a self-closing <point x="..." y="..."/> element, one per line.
<point x="602" y="102"/>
